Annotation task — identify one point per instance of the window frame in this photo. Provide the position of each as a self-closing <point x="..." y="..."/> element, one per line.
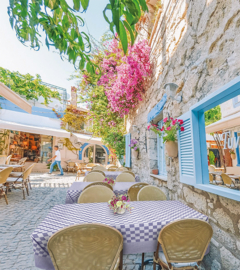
<point x="227" y="92"/>
<point x="162" y="171"/>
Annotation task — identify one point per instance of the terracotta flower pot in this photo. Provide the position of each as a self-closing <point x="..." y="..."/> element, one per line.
<point x="155" y="171"/>
<point x="233" y="156"/>
<point x="135" y="153"/>
<point x="171" y="148"/>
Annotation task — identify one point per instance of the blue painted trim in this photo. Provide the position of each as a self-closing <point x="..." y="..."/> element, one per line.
<point x="105" y="147"/>
<point x="237" y="151"/>
<point x="157" y="109"/>
<point x="81" y="151"/>
<point x="236" y="102"/>
<point x="8" y="105"/>
<point x="127" y="150"/>
<point x="225" y="93"/>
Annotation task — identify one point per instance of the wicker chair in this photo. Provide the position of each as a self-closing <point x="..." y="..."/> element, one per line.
<point x="102" y="172"/>
<point x="86" y="247"/>
<point x="71" y="166"/>
<point x="94" y="177"/>
<point x="3" y="178"/>
<point x="99" y="184"/>
<point x="184" y="243"/>
<point x="229" y="182"/>
<point x="8" y="160"/>
<point x="133" y="174"/>
<point x="122" y="169"/>
<point x="112" y="168"/>
<point x="3" y="159"/>
<point x="96" y="194"/>
<point x="80" y="170"/>
<point x="151" y="193"/>
<point x="125" y="177"/>
<point x="211" y="168"/>
<point x="99" y="168"/>
<point x="21" y="180"/>
<point x="134" y="189"/>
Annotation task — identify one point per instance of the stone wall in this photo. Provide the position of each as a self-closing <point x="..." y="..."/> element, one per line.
<point x="195" y="45"/>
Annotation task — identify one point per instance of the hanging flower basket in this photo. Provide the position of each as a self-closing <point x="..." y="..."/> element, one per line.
<point x="233" y="156"/>
<point x="135" y="153"/>
<point x="171" y="149"/>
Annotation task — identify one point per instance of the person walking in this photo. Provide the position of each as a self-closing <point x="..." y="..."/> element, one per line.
<point x="57" y="160"/>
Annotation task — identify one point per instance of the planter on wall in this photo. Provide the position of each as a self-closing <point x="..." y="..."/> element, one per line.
<point x="233" y="156"/>
<point x="171" y="148"/>
<point x="135" y="153"/>
<point x="155" y="171"/>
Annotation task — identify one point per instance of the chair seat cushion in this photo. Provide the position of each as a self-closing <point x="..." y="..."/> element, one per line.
<point x="176" y="265"/>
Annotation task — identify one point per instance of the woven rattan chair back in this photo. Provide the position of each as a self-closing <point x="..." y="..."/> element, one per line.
<point x="96" y="194"/>
<point x="71" y="164"/>
<point x="4" y="175"/>
<point x="3" y="159"/>
<point x="86" y="247"/>
<point x="122" y="169"/>
<point x="91" y="165"/>
<point x="133" y="174"/>
<point x="103" y="173"/>
<point x="28" y="171"/>
<point x="227" y="180"/>
<point x="134" y="189"/>
<point x="99" y="184"/>
<point x="125" y="177"/>
<point x="210" y="178"/>
<point x="151" y="193"/>
<point x="112" y="168"/>
<point x="94" y="177"/>
<point x="22" y="161"/>
<point x="185" y="241"/>
<point x="99" y="168"/>
<point x="211" y="168"/>
<point x="8" y="160"/>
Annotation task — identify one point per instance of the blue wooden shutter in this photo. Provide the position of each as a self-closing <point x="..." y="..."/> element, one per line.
<point x="161" y="153"/>
<point x="127" y="150"/>
<point x="186" y="151"/>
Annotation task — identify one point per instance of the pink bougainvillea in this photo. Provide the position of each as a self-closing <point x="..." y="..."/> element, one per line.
<point x="124" y="76"/>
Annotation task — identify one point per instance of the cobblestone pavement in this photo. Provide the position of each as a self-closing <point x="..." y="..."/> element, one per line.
<point x="21" y="217"/>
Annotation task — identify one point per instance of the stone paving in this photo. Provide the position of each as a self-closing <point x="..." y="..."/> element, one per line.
<point x="21" y="217"/>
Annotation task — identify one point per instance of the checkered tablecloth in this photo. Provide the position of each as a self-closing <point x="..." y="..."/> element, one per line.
<point x="115" y="174"/>
<point x="140" y="228"/>
<point x="76" y="188"/>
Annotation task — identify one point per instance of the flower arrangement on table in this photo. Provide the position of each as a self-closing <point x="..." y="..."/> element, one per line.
<point x="109" y="181"/>
<point x="169" y="132"/>
<point x="119" y="204"/>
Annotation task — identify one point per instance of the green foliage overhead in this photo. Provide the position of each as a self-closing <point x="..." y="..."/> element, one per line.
<point x="211" y="158"/>
<point x="61" y="24"/>
<point x="116" y="141"/>
<point x="27" y="85"/>
<point x="213" y="115"/>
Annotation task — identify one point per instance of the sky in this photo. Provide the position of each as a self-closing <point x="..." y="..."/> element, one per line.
<point x="48" y="64"/>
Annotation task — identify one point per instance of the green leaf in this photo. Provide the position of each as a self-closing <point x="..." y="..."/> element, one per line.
<point x="82" y="63"/>
<point x="123" y="36"/>
<point x="76" y="4"/>
<point x="108" y="7"/>
<point x="130" y="31"/>
<point x="85" y="4"/>
<point x="143" y="5"/>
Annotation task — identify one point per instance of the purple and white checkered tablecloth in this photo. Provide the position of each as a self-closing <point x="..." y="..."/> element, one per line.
<point x="115" y="174"/>
<point x="76" y="188"/>
<point x="140" y="228"/>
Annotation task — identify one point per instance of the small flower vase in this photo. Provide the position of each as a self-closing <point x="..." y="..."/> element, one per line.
<point x="135" y="153"/>
<point x="233" y="156"/>
<point x="120" y="210"/>
<point x="171" y="149"/>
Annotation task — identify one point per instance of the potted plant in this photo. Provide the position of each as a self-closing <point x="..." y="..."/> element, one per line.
<point x="169" y="134"/>
<point x="232" y="153"/>
<point x="135" y="148"/>
<point x="155" y="171"/>
<point x="119" y="204"/>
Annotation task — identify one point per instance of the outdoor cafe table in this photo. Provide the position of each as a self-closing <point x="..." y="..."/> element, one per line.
<point x="114" y="174"/>
<point x="77" y="187"/>
<point x="140" y="228"/>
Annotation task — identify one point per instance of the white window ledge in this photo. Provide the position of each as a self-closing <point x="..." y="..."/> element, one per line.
<point x="159" y="176"/>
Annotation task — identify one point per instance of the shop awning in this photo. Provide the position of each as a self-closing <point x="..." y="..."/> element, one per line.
<point x="14" y="98"/>
<point x="225" y="123"/>
<point x="87" y="138"/>
<point x="34" y="129"/>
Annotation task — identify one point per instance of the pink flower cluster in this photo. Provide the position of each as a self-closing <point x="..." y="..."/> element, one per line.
<point x="109" y="181"/>
<point x="124" y="77"/>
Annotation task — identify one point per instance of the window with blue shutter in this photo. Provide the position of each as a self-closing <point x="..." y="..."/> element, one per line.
<point x="127" y="150"/>
<point x="192" y="143"/>
<point x="161" y="153"/>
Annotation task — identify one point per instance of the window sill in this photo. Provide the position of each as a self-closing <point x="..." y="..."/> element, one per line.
<point x="160" y="177"/>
